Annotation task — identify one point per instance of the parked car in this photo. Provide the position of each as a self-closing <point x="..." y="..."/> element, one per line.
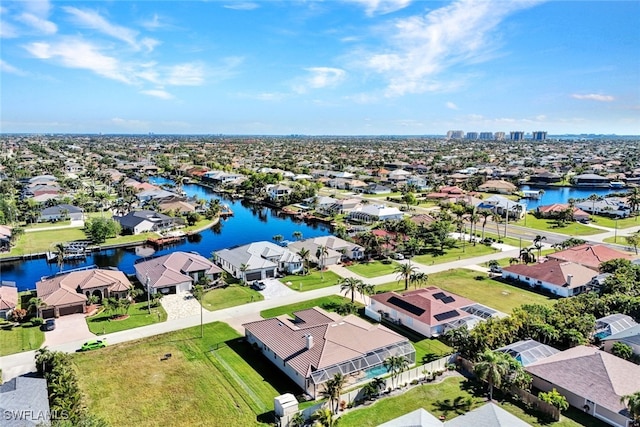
<point x="398" y="255"/>
<point x="94" y="344"/>
<point x="495" y="269"/>
<point x="259" y="285"/>
<point x="49" y="325"/>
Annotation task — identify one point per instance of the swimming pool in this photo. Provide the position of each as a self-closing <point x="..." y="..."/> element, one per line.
<point x="376" y="371"/>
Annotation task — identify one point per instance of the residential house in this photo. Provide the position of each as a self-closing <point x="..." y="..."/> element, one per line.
<point x="323" y="203"/>
<point x="372" y="213"/>
<point x="590" y="180"/>
<point x="8" y="298"/>
<point x="278" y="191"/>
<point x="216" y="177"/>
<point x="5" y="238"/>
<point x="557" y="209"/>
<point x="502" y="206"/>
<point x="528" y="351"/>
<point x="176" y="272"/>
<point x="614" y="207"/>
<point x="430" y="311"/>
<point x="176" y="205"/>
<point x="258" y="260"/>
<point x="375" y="188"/>
<point x="344" y="206"/>
<point x="498" y="186"/>
<point x="348" y="249"/>
<point x="562" y="278"/>
<point x="331" y="257"/>
<point x="417" y="181"/>
<point x="24" y="402"/>
<point x="67" y="293"/>
<point x="613" y="324"/>
<point x="315" y="345"/>
<point x="589" y="255"/>
<point x="630" y="337"/>
<point x="544" y="178"/>
<point x="591" y="380"/>
<point x="398" y="176"/>
<point x="61" y="213"/>
<point x="144" y="221"/>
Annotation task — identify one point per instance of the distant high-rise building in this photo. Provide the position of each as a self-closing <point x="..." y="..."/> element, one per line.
<point x="517" y="135"/>
<point x="499" y="136"/>
<point x="455" y="134"/>
<point x="472" y="135"/>
<point x="539" y="135"/>
<point x="486" y="136"/>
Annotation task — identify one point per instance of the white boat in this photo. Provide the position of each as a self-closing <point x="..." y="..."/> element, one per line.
<point x="617" y="184"/>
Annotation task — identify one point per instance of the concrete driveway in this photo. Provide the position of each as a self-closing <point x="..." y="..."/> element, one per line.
<point x="180" y="305"/>
<point x="276" y="289"/>
<point x="68" y="328"/>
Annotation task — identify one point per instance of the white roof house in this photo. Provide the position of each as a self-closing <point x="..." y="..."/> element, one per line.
<point x="258" y="260"/>
<point x="370" y="213"/>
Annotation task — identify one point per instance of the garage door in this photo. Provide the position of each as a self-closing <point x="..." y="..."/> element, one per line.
<point x="71" y="310"/>
<point x="256" y="275"/>
<point x="48" y="313"/>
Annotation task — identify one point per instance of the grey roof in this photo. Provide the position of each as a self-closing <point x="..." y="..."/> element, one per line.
<point x="28" y="395"/>
<point x="629" y="336"/>
<point x="254" y="255"/>
<point x="528" y="351"/>
<point x="489" y="415"/>
<point x="417" y="418"/>
<point x="613" y="324"/>
<point x="134" y="218"/>
<point x="57" y="210"/>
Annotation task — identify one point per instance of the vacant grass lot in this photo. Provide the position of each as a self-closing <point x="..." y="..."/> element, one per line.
<point x="605" y="221"/>
<point x="311" y="281"/>
<point x="42" y="241"/>
<point x="437" y="399"/>
<point x="454" y="254"/>
<point x="231" y="296"/>
<point x="324" y="302"/>
<point x="373" y="268"/>
<point x="571" y="229"/>
<point x="101" y="323"/>
<point x="217" y="380"/>
<point x="20" y="338"/>
<point x="492" y="293"/>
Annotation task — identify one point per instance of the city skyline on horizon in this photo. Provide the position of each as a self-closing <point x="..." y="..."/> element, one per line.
<point x="348" y="68"/>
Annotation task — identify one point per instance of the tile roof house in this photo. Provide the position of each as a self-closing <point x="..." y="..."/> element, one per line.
<point x="262" y="260"/>
<point x="561" y="278"/>
<point x="588" y="255"/>
<point x="430" y="311"/>
<point x="555" y="209"/>
<point x="498" y="186"/>
<point x="592" y="381"/>
<point x="315" y="345"/>
<point x="8" y="298"/>
<point x="176" y="272"/>
<point x="137" y="222"/>
<point x="67" y="293"/>
<point x="24" y="402"/>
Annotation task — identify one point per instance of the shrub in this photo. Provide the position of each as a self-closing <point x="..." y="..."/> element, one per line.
<point x="37" y="321"/>
<point x="19" y="315"/>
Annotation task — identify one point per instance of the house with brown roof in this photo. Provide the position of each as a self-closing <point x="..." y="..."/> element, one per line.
<point x="562" y="278"/>
<point x="498" y="186"/>
<point x="314" y="345"/>
<point x="556" y="209"/>
<point x="589" y="255"/>
<point x="176" y="272"/>
<point x="8" y="298"/>
<point x="592" y="381"/>
<point x="430" y="311"/>
<point x="67" y="293"/>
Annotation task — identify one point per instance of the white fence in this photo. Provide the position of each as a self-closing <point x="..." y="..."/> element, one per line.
<point x="355" y="396"/>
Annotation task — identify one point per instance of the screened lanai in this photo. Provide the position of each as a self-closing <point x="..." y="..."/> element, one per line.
<point x="528" y="351"/>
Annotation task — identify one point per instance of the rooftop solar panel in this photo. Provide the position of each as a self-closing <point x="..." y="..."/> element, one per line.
<point x="405" y="305"/>
<point x="446" y="315"/>
<point x="439" y="295"/>
<point x="447" y="299"/>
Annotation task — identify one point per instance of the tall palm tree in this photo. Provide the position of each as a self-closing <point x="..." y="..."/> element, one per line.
<point x="333" y="389"/>
<point x="495" y="216"/>
<point x="537" y="242"/>
<point x="492" y="368"/>
<point x="396" y="365"/>
<point x="633" y="405"/>
<point x="304" y="253"/>
<point x="297" y="420"/>
<point x="324" y="418"/>
<point x="404" y="273"/>
<point x="365" y="289"/>
<point x="321" y="254"/>
<point x="278" y="238"/>
<point x="350" y="285"/>
<point x="243" y="270"/>
<point x="35" y="305"/>
<point x="297" y="235"/>
<point x="418" y="279"/>
<point x="485" y="216"/>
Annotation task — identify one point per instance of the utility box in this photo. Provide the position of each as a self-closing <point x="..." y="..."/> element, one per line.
<point x="285" y="405"/>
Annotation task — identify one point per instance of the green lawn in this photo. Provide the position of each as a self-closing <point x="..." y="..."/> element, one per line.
<point x="489" y="292"/>
<point x="373" y="268"/>
<point x="20" y="338"/>
<point x="217" y="380"/>
<point x="437" y="398"/>
<point x="505" y="261"/>
<point x="40" y="225"/>
<point x="311" y="281"/>
<point x="138" y="316"/>
<point x="605" y="221"/>
<point x="231" y="296"/>
<point x="422" y="344"/>
<point x="42" y="241"/>
<point x="324" y="302"/>
<point x="129" y="238"/>
<point x="571" y="229"/>
<point x="507" y="240"/>
<point x="469" y="251"/>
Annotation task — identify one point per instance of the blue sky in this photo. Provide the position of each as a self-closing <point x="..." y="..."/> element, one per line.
<point x="318" y="67"/>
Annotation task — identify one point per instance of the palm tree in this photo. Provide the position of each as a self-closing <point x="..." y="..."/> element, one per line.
<point x="404" y="273"/>
<point x="297" y="235"/>
<point x="377" y="384"/>
<point x="332" y="390"/>
<point x="537" y="242"/>
<point x="495" y="216"/>
<point x="321" y="254"/>
<point x="418" y="279"/>
<point x="352" y="285"/>
<point x="304" y="254"/>
<point x="278" y="238"/>
<point x="527" y="256"/>
<point x="396" y="365"/>
<point x="365" y="289"/>
<point x="632" y="401"/>
<point x="297" y="420"/>
<point x="492" y="368"/>
<point x="243" y="270"/>
<point x="61" y="254"/>
<point x="324" y="418"/>
<point x="35" y="305"/>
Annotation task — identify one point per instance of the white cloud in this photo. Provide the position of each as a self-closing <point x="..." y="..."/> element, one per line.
<point x="242" y="5"/>
<point x="93" y="20"/>
<point x="593" y="97"/>
<point x="76" y="53"/>
<point x="450" y="105"/>
<point x="157" y="93"/>
<point x="320" y="77"/>
<point x="381" y="7"/>
<point x="422" y="47"/>
<point x="7" y="30"/>
<point x="8" y="68"/>
<point x="42" y="25"/>
<point x="185" y="75"/>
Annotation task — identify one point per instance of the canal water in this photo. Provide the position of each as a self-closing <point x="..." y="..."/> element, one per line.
<point x="249" y="223"/>
<point x="563" y="194"/>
